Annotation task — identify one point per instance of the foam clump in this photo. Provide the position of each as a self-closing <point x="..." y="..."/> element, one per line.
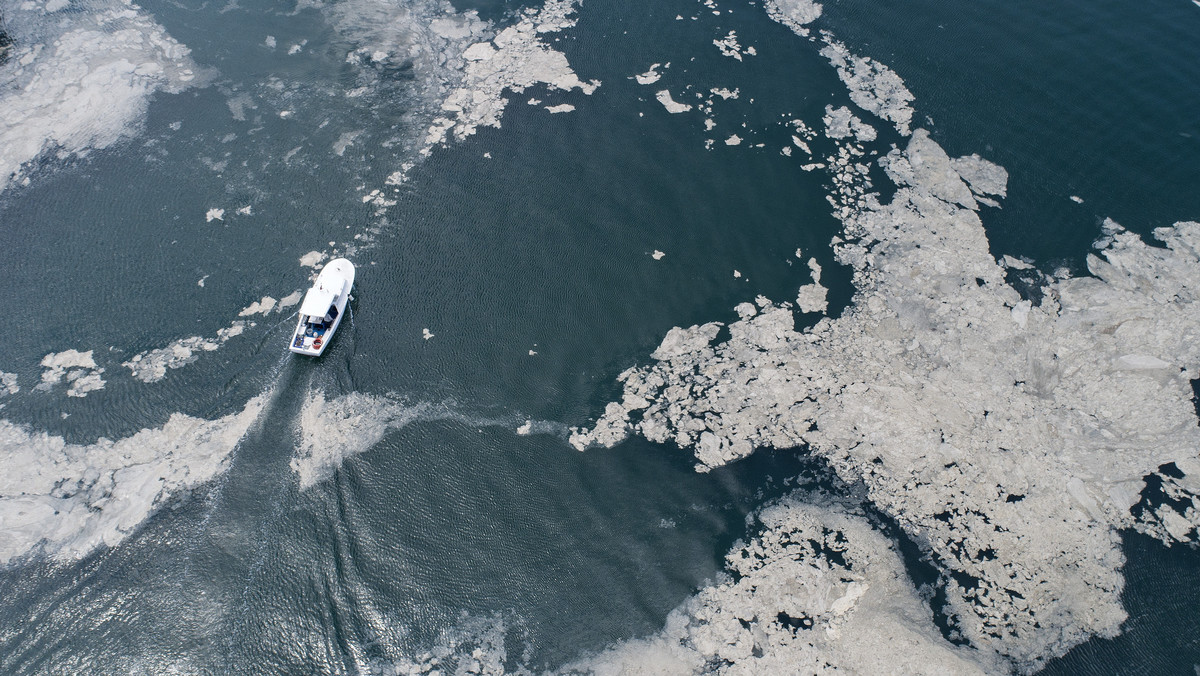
<point x="151" y="366"/>
<point x="795" y="14"/>
<point x="473" y="646"/>
<point x="8" y="383"/>
<point x="813" y="297"/>
<point x="80" y="80"/>
<point x="263" y="307"/>
<point x="67" y="499"/>
<point x="729" y="46"/>
<point x="873" y="86"/>
<point x="818" y="591"/>
<point x="674" y="107"/>
<point x="985" y="178"/>
<point x="651" y="75"/>
<point x="515" y="59"/>
<point x="1013" y="440"/>
<point x="313" y="258"/>
<point x="840" y="123"/>
<point x="77" y="369"/>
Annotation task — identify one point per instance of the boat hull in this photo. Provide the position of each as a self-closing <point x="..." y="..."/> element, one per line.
<point x="312" y="338"/>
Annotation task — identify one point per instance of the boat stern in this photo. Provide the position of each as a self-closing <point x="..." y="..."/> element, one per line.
<point x="308" y="343"/>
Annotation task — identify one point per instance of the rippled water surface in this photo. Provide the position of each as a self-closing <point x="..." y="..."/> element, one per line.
<point x="526" y="252"/>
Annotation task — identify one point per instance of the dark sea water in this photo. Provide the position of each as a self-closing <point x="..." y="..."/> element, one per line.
<point x="544" y="244"/>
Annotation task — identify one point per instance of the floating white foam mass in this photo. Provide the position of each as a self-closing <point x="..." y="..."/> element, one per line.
<point x="8" y="383"/>
<point x="291" y="299"/>
<point x="873" y="86"/>
<point x="795" y="14"/>
<point x="312" y="259"/>
<point x="425" y="39"/>
<point x="67" y="499"/>
<point x="841" y="123"/>
<point x="77" y="368"/>
<point x="151" y="366"/>
<point x="819" y="591"/>
<point x="984" y="178"/>
<point x="651" y="75"/>
<point x="672" y="106"/>
<point x="812" y="297"/>
<point x="80" y="80"/>
<point x="728" y="46"/>
<point x="259" y="307"/>
<point x="474" y="646"/>
<point x="514" y="60"/>
<point x="345" y="141"/>
<point x="1012" y="440"/>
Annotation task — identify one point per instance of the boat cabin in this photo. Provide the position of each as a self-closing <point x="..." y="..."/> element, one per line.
<point x="318" y="315"/>
<point x="323" y="308"/>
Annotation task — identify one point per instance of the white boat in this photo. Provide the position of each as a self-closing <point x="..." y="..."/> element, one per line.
<point x="323" y="308"/>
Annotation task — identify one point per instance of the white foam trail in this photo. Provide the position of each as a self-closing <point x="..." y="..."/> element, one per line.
<point x="152" y="366"/>
<point x="81" y="79"/>
<point x="67" y="499"/>
<point x="330" y="432"/>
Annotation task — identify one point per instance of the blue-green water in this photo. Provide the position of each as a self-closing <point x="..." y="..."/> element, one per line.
<point x="533" y="237"/>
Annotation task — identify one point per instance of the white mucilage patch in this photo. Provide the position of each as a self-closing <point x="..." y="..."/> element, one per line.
<point x="78" y="370"/>
<point x="818" y="591"/>
<point x="80" y="80"/>
<point x="1012" y="439"/>
<point x="514" y="60"/>
<point x="963" y="423"/>
<point x="674" y="107"/>
<point x="66" y="499"/>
